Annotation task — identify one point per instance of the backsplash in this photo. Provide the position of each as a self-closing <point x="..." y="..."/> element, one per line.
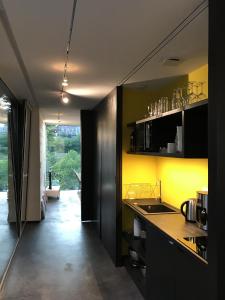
<point x="181" y="178"/>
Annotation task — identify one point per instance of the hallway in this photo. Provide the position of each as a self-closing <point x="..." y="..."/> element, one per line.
<point x="63" y="259"/>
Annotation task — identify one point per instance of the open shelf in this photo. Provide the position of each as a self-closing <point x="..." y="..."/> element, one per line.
<point x="136" y="275"/>
<point x="178" y="155"/>
<point x="163" y="115"/>
<point x="137" y="244"/>
<point x="170" y="112"/>
<point x="151" y="134"/>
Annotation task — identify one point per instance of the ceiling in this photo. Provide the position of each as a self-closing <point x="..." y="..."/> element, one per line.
<point x="109" y="39"/>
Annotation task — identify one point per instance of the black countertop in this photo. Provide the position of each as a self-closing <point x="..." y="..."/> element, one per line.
<point x="173" y="225"/>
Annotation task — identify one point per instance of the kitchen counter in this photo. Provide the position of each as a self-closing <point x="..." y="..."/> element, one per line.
<point x="172" y="224"/>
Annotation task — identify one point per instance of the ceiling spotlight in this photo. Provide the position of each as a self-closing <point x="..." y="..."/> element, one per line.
<point x="68" y="45"/>
<point x="65" y="82"/>
<point x="65" y="99"/>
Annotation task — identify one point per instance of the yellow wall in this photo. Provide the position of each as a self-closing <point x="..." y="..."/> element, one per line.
<point x="135" y="168"/>
<point x="180" y="178"/>
<point x="140" y="168"/>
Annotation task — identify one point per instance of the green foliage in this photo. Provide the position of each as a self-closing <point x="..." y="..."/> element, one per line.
<point x="3" y="175"/>
<point x="3" y="161"/>
<point x="63" y="170"/>
<point x="63" y="157"/>
<point x="3" y="143"/>
<point x="72" y="143"/>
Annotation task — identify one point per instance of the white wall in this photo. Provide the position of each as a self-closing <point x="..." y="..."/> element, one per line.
<point x="42" y="155"/>
<point x="34" y="195"/>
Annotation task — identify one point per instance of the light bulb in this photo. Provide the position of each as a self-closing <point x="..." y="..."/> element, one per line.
<point x="65" y="100"/>
<point x="65" y="82"/>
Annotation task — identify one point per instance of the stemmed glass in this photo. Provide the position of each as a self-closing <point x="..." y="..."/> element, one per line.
<point x="165" y="104"/>
<point x="149" y="110"/>
<point x="192" y="97"/>
<point x="183" y="99"/>
<point x="174" y="100"/>
<point x="160" y="109"/>
<point x="179" y="98"/>
<point x="201" y="95"/>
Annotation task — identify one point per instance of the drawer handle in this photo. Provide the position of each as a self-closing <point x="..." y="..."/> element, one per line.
<point x="171" y="242"/>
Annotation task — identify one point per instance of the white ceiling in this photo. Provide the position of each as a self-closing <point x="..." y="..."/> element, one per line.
<point x="109" y="39"/>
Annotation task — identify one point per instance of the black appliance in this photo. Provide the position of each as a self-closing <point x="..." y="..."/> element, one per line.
<point x="143" y="137"/>
<point x="202" y="210"/>
<point x="190" y="210"/>
<point x="197" y="244"/>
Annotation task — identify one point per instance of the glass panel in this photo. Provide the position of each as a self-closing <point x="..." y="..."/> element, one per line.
<point x="8" y="228"/>
<point x="25" y="167"/>
<point x="63" y="156"/>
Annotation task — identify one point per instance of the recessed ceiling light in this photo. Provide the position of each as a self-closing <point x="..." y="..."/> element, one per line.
<point x="172" y="61"/>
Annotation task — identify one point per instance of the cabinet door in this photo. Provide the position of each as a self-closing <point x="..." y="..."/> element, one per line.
<point x="160" y="266"/>
<point x="191" y="277"/>
<point x="140" y="137"/>
<point x="108" y="172"/>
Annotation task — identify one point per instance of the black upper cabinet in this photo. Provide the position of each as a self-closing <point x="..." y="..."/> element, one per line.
<point x="196" y="131"/>
<point x="150" y="135"/>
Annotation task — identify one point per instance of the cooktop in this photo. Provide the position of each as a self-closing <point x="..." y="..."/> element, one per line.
<point x="197" y="244"/>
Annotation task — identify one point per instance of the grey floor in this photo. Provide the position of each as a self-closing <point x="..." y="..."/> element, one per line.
<point x="8" y="234"/>
<point x="62" y="259"/>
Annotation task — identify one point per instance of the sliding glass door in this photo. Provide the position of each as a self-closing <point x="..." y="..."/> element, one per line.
<point x="14" y="167"/>
<point x="8" y="218"/>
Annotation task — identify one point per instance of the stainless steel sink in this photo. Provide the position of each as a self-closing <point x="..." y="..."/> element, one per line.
<point x="154" y="208"/>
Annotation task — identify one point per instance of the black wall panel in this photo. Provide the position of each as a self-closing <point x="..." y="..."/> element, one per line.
<point x="87" y="163"/>
<point x="107" y="172"/>
<point x="216" y="149"/>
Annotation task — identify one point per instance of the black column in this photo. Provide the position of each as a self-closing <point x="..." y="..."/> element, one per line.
<point x="87" y="161"/>
<point x="217" y="149"/>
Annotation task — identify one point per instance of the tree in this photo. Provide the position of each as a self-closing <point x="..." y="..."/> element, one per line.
<point x="63" y="156"/>
<point x="3" y="175"/>
<point x="63" y="170"/>
<point x="72" y="143"/>
<point x="4" y="143"/>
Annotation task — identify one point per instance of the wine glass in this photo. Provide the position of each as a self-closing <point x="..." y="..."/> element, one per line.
<point x="183" y="99"/>
<point x="174" y="102"/>
<point x="149" y="110"/>
<point x="155" y="108"/>
<point x="201" y="95"/>
<point x="192" y="97"/>
<point x="159" y="106"/>
<point x="179" y="98"/>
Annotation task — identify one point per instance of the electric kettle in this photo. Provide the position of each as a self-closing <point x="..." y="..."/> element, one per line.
<point x="188" y="210"/>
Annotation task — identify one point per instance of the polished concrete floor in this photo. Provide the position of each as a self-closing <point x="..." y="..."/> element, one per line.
<point x="8" y="234"/>
<point x="62" y="259"/>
